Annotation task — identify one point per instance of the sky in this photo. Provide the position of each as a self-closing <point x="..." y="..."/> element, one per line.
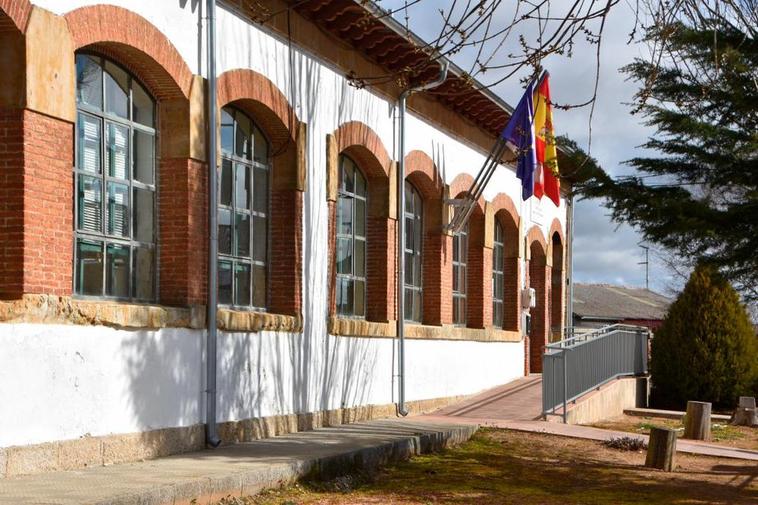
<point x="605" y="252"/>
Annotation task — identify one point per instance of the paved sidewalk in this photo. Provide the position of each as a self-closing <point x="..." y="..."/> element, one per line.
<point x="590" y="433"/>
<point x="238" y="469"/>
<point x="520" y="399"/>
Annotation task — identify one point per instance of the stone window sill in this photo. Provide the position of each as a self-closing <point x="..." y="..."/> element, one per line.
<point x="372" y="329"/>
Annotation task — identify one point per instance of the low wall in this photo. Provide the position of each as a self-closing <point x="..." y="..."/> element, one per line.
<point x="609" y="401"/>
<point x="79" y="395"/>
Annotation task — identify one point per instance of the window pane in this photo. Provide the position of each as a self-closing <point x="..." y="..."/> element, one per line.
<point x="261" y="147"/>
<point x="345" y="298"/>
<point x="116" y="84"/>
<point x="142" y="283"/>
<point x="89" y="81"/>
<point x="89" y="195"/>
<point x="117" y="271"/>
<point x="456" y="278"/>
<point x="242" y="187"/>
<point x="260" y="232"/>
<point x="417" y="228"/>
<point x="360" y="258"/>
<point x="260" y="188"/>
<point x="225" y="282"/>
<point x="456" y="315"/>
<point x="345" y="216"/>
<point x="408" y="197"/>
<point x="417" y="270"/>
<point x="360" y="217"/>
<point x="89" y="267"/>
<point x="226" y="183"/>
<point x="89" y="133"/>
<point x="359" y="297"/>
<point x="417" y="305"/>
<point x="360" y="184"/>
<point x="227" y="132"/>
<point x="144" y="157"/>
<point x="117" y="209"/>
<point x="117" y="151"/>
<point x="456" y="248"/>
<point x="242" y="229"/>
<point x="344" y="256"/>
<point x="259" y="286"/>
<point x="243" y="138"/>
<point x="408" y="300"/>
<point x="143" y="109"/>
<point x="409" y="268"/>
<point x="224" y="231"/>
<point x="409" y="233"/>
<point x="242" y="284"/>
<point x="143" y="214"/>
<point x="348" y="173"/>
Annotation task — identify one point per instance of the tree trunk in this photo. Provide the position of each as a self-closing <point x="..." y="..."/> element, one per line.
<point x="744" y="417"/>
<point x="661" y="449"/>
<point x="697" y="421"/>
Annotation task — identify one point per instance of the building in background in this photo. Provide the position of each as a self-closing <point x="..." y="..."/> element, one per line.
<point x="598" y="305"/>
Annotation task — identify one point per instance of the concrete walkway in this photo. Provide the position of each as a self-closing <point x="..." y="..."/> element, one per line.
<point x="518" y="406"/>
<point x="518" y="400"/>
<point x="240" y="469"/>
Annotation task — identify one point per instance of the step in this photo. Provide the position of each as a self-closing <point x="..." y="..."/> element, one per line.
<point x="240" y="469"/>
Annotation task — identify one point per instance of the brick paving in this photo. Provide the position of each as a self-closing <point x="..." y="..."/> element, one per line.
<point x="518" y="406"/>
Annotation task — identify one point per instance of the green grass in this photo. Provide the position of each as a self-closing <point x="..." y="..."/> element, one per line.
<point x="503" y="467"/>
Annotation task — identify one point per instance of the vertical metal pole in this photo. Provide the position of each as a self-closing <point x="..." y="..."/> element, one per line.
<point x="570" y="250"/>
<point x="211" y="428"/>
<point x="401" y="258"/>
<point x="401" y="235"/>
<point x="565" y="385"/>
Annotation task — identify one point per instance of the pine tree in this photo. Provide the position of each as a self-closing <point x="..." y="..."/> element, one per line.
<point x="697" y="194"/>
<point x="706" y="348"/>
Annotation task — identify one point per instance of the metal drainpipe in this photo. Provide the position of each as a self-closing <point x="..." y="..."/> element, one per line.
<point x="401" y="235"/>
<point x="570" y="250"/>
<point x="211" y="428"/>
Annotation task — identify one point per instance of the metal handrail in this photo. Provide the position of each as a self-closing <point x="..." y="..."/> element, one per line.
<point x="576" y="365"/>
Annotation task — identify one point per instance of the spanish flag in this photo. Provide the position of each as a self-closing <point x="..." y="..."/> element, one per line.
<point x="546" y="174"/>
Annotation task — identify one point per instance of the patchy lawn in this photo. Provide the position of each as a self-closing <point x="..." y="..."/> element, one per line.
<point x="722" y="432"/>
<point x="508" y="467"/>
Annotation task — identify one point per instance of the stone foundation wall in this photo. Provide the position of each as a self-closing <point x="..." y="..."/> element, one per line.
<point x="124" y="448"/>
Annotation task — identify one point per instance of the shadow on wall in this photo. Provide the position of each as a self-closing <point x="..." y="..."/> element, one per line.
<point x="165" y="374"/>
<point x="259" y="374"/>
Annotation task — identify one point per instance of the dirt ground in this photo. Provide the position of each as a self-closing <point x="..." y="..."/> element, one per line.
<point x="722" y="432"/>
<point x="508" y="467"/>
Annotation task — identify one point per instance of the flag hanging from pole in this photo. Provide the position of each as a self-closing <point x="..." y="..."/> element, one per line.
<point x="519" y="136"/>
<point x="546" y="173"/>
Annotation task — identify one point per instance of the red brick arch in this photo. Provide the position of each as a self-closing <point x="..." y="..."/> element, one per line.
<point x="361" y="143"/>
<point x="555" y="227"/>
<point x="259" y="97"/>
<point x="134" y="42"/>
<point x="16" y="14"/>
<point x="535" y="235"/>
<point x="507" y="215"/>
<point x="421" y="171"/>
<point x="538" y="278"/>
<point x="459" y="187"/>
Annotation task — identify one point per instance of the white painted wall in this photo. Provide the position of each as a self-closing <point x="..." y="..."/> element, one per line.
<point x="61" y="382"/>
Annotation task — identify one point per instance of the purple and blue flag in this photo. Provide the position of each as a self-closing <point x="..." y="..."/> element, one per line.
<point x="520" y="137"/>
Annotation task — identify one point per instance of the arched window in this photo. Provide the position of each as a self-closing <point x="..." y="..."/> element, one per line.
<point x="498" y="267"/>
<point x="114" y="177"/>
<point x="413" y="262"/>
<point x="243" y="212"/>
<point x="460" y="261"/>
<point x="351" y="240"/>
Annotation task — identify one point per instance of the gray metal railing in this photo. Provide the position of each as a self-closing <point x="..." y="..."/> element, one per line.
<point x="577" y="365"/>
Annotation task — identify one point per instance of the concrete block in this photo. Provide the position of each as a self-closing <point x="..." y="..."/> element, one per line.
<point x="3" y="462"/>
